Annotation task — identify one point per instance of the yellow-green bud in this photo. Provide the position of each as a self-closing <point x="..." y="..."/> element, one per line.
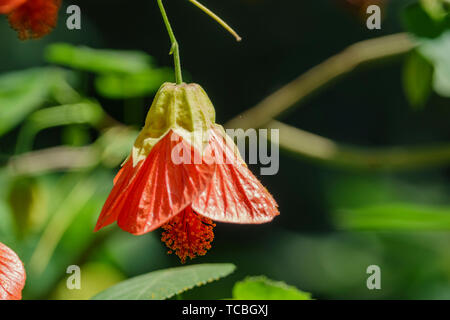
<point x="182" y="108"/>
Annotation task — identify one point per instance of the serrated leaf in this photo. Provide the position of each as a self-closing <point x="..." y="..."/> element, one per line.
<point x="22" y="92"/>
<point x="166" y="283"/>
<point x="417" y="79"/>
<point x="262" y="288"/>
<point x="98" y="60"/>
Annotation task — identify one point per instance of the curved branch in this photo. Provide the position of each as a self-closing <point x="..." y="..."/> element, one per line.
<point x="54" y="159"/>
<point x="322" y="74"/>
<point x="311" y="146"/>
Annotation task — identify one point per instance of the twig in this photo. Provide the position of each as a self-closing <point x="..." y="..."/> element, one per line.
<point x="217" y="19"/>
<point x="317" y="77"/>
<point x="54" y="159"/>
<point x="307" y="145"/>
<point x="110" y="150"/>
<point x="302" y="143"/>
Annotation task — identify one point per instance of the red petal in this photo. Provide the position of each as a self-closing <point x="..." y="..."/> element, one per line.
<point x="162" y="188"/>
<point x="235" y="194"/>
<point x="114" y="203"/>
<point x="6" y="6"/>
<point x="12" y="274"/>
<point x="35" y="18"/>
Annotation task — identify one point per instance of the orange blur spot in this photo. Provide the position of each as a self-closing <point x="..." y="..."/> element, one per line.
<point x="6" y="6"/>
<point x="35" y="18"/>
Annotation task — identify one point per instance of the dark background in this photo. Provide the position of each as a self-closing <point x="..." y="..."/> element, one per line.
<point x="281" y="40"/>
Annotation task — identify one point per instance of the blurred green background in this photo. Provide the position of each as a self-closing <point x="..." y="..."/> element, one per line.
<point x="69" y="116"/>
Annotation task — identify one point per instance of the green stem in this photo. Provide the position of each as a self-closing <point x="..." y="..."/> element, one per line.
<point x="175" y="48"/>
<point x="216" y="18"/>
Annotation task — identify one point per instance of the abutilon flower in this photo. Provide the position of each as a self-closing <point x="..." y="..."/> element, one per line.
<point x="183" y="173"/>
<point x="12" y="274"/>
<point x="6" y="6"/>
<point x="32" y="19"/>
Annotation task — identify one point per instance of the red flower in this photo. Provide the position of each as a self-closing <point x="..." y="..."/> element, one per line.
<point x="6" y="6"/>
<point x="155" y="189"/>
<point x="12" y="274"/>
<point x="32" y="19"/>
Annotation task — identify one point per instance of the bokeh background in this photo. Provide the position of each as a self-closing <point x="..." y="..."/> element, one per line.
<point x="335" y="221"/>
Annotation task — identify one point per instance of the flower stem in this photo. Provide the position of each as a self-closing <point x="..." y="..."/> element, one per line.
<point x="175" y="51"/>
<point x="216" y="18"/>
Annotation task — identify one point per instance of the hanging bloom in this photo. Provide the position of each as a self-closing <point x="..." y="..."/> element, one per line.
<point x="12" y="274"/>
<point x="32" y="19"/>
<point x="183" y="173"/>
<point x="6" y="6"/>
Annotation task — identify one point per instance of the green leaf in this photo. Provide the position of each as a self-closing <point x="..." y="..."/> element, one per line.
<point x="95" y="278"/>
<point x="395" y="216"/>
<point x="97" y="60"/>
<point x="418" y="22"/>
<point x="72" y="205"/>
<point x="164" y="284"/>
<point x="27" y="203"/>
<point x="261" y="288"/>
<point x="84" y="112"/>
<point x="75" y="135"/>
<point x="441" y="82"/>
<point x="433" y="38"/>
<point x="123" y="86"/>
<point x="434" y="8"/>
<point x="22" y="92"/>
<point x="437" y="51"/>
<point x="417" y="79"/>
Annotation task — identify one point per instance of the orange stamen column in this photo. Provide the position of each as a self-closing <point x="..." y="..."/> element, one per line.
<point x="188" y="234"/>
